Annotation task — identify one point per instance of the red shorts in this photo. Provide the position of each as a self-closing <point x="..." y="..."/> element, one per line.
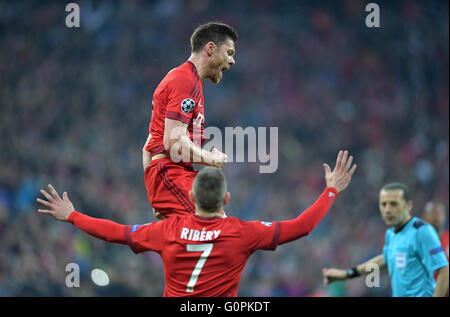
<point x="168" y="185"/>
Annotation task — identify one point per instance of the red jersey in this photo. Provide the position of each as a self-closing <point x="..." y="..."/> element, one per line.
<point x="179" y="96"/>
<point x="196" y="251"/>
<point x="206" y="256"/>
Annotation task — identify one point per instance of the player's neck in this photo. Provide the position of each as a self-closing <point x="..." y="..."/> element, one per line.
<point x="199" y="65"/>
<point x="204" y="214"/>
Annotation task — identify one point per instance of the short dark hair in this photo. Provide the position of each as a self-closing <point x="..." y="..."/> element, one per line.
<point x="211" y="32"/>
<point x="209" y="188"/>
<point x="397" y="185"/>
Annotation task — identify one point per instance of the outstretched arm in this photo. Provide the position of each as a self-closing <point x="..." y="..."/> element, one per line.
<point x="336" y="181"/>
<point x="62" y="209"/>
<point x="333" y="274"/>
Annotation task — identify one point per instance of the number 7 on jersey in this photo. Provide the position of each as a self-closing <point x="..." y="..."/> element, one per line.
<point x="206" y="248"/>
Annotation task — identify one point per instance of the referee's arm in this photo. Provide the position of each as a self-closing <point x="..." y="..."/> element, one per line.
<point x="378" y="260"/>
<point x="332" y="274"/>
<point x="441" y="282"/>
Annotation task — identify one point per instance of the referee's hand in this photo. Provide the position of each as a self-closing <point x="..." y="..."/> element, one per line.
<point x="331" y="275"/>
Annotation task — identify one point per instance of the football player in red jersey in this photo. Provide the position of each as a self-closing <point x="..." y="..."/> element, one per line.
<point x="177" y="123"/>
<point x="435" y="215"/>
<point x="204" y="254"/>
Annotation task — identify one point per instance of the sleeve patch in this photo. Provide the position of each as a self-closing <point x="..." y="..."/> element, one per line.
<point x="187" y="105"/>
<point x="436" y="250"/>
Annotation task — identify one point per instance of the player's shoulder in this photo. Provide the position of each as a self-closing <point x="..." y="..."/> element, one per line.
<point x="173" y="223"/>
<point x="244" y="223"/>
<point x="234" y="223"/>
<point x="181" y="74"/>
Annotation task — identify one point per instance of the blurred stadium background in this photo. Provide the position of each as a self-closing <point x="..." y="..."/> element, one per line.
<point x="75" y="108"/>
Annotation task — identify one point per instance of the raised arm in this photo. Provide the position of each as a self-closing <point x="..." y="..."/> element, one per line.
<point x="336" y="180"/>
<point x="62" y="209"/>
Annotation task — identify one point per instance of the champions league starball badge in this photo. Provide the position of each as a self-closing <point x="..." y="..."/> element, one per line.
<point x="187" y="105"/>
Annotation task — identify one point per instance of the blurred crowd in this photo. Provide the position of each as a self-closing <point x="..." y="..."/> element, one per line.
<point x="75" y="104"/>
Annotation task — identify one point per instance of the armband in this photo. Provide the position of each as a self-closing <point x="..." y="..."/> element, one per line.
<point x="353" y="272"/>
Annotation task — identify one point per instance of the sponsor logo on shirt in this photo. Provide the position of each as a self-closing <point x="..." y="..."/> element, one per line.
<point x="267" y="224"/>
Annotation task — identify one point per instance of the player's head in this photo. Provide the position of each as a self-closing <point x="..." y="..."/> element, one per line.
<point x="215" y="41"/>
<point x="209" y="191"/>
<point x="434" y="214"/>
<point x="395" y="204"/>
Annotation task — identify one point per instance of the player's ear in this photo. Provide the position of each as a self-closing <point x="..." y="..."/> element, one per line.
<point x="227" y="198"/>
<point x="210" y="48"/>
<point x="191" y="197"/>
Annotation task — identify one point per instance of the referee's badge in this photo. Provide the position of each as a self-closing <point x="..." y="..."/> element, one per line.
<point x="400" y="260"/>
<point x="187" y="105"/>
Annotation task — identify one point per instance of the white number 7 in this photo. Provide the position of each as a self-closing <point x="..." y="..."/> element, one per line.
<point x="206" y="248"/>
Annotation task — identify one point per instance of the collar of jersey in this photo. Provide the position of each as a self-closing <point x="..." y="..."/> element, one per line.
<point x="397" y="231"/>
<point x="207" y="218"/>
<point x="195" y="68"/>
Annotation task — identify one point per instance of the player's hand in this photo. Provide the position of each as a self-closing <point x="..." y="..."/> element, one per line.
<point x="59" y="208"/>
<point x="157" y="215"/>
<point x="342" y="173"/>
<point x="331" y="275"/>
<point x="218" y="158"/>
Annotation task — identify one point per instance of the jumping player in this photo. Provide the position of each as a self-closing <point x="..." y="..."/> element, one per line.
<point x="177" y="124"/>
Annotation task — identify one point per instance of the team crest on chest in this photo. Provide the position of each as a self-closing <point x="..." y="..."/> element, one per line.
<point x="187" y="105"/>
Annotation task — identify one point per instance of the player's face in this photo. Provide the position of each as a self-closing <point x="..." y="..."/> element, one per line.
<point x="393" y="207"/>
<point x="221" y="60"/>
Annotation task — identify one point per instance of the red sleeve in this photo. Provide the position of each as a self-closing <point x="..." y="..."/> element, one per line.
<point x="309" y="219"/>
<point x="261" y="235"/>
<point x="140" y="238"/>
<point x="181" y="103"/>
<point x="147" y="237"/>
<point x="100" y="228"/>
